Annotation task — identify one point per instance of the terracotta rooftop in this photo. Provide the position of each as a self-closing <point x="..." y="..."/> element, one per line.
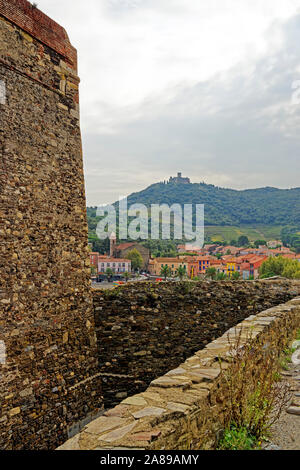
<point x="124" y="246"/>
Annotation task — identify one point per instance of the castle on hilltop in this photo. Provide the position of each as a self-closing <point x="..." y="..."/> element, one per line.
<point x="179" y="179"/>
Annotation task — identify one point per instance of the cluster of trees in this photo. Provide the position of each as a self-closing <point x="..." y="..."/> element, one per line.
<point x="279" y="266"/>
<point x="290" y="236"/>
<point x="243" y="240"/>
<point x="109" y="273"/>
<point x="136" y="259"/>
<point x="166" y="272"/>
<point x="162" y="248"/>
<point x="212" y="273"/>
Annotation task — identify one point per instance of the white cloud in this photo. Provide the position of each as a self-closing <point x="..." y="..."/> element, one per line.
<point x="167" y="85"/>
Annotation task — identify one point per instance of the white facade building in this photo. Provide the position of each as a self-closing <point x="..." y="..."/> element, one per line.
<point x="115" y="264"/>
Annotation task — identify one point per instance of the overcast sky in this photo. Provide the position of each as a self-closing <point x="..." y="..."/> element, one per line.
<point x="200" y="87"/>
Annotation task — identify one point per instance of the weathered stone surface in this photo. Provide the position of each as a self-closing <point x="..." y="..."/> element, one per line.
<point x="294" y="410"/>
<point x="117" y="434"/>
<point x="296" y="357"/>
<point x="148" y="412"/>
<point x="71" y="444"/>
<point x="177" y="371"/>
<point x="166" y="382"/>
<point x="118" y="411"/>
<point x="45" y="298"/>
<point x="135" y="400"/>
<point x="145" y="436"/>
<point x="103" y="424"/>
<point x="177" y="407"/>
<point x="169" y="323"/>
<point x="176" y="418"/>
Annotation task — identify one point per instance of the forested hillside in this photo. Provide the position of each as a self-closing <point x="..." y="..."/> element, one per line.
<point x="267" y="207"/>
<point x="228" y="206"/>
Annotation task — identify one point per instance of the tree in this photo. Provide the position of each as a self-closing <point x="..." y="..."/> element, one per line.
<point x="126" y="276"/>
<point x="211" y="273"/>
<point x="165" y="271"/>
<point x="258" y="243"/>
<point x="109" y="273"/>
<point x="181" y="272"/>
<point x="279" y="266"/>
<point x="100" y="246"/>
<point x="290" y="236"/>
<point x="136" y="259"/>
<point x="243" y="241"/>
<point x="221" y="277"/>
<point x="235" y="276"/>
<point x="93" y="270"/>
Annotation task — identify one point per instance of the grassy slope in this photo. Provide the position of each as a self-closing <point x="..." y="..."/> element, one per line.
<point x="258" y="232"/>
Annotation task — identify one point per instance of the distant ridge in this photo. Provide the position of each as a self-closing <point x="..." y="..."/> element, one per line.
<point x="268" y="206"/>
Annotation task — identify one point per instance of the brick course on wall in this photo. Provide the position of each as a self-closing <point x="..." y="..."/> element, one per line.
<point x="39" y="26"/>
<point x="146" y="329"/>
<point x="49" y="378"/>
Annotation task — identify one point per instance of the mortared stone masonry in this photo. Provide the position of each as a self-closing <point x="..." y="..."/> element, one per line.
<point x="48" y="366"/>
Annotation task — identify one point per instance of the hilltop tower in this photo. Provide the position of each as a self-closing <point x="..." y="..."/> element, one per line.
<point x="179" y="179"/>
<point x="49" y="378"/>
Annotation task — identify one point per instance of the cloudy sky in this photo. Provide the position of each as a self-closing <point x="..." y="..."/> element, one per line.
<point x="211" y="89"/>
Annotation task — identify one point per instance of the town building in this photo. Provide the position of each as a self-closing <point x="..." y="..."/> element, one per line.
<point x="274" y="244"/>
<point x="173" y="264"/>
<point x="94" y="259"/>
<point x="117" y="265"/>
<point x="122" y="250"/>
<point x="203" y="264"/>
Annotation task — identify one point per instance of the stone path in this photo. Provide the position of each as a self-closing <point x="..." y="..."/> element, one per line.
<point x="286" y="431"/>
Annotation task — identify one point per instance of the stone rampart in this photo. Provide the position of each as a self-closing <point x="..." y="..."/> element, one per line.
<point x="48" y="369"/>
<point x="186" y="408"/>
<point x="146" y="329"/>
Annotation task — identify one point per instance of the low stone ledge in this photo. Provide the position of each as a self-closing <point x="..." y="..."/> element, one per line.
<point x="182" y="410"/>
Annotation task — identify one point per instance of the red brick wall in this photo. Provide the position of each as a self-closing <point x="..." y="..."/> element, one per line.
<point x="39" y="26"/>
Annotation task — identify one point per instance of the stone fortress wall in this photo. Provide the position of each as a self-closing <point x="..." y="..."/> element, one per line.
<point x="186" y="408"/>
<point x="48" y="370"/>
<point x="145" y="330"/>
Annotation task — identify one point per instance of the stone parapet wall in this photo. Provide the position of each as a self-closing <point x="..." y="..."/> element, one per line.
<point x="146" y="329"/>
<point x="184" y="409"/>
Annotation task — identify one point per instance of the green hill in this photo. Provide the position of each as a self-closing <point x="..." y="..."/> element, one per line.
<point x="260" y="214"/>
<point x="267" y="206"/>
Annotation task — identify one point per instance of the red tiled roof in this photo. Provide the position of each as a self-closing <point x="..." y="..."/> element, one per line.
<point x="124" y="246"/>
<point x="115" y="260"/>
